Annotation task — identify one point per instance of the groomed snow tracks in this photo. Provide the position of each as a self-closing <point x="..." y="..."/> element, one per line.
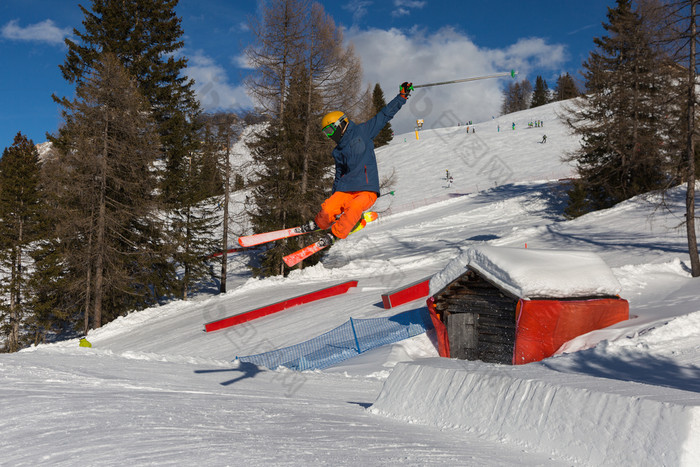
<point x="244" y="317"/>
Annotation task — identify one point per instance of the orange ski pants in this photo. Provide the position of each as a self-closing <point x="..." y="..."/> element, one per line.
<point x="349" y="206"/>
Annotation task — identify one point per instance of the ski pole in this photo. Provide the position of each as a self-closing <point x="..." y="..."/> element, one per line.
<point x="510" y="73"/>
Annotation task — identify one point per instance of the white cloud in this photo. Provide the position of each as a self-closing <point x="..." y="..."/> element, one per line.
<point x="535" y="52"/>
<point x="403" y="7"/>
<point x="212" y="87"/>
<point x="45" y="31"/>
<point x="242" y="61"/>
<point x="358" y="8"/>
<point x="390" y="57"/>
<point x="410" y="3"/>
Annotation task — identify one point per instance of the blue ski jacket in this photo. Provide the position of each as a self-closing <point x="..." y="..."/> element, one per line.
<point x="355" y="161"/>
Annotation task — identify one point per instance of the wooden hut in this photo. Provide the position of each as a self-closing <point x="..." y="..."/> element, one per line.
<point x="514" y="306"/>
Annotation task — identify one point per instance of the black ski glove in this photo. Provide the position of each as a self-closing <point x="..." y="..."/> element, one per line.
<point x="405" y="89"/>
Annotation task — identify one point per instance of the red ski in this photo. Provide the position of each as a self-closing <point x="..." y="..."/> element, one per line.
<point x="265" y="237"/>
<point x="294" y="258"/>
<point x="298" y="256"/>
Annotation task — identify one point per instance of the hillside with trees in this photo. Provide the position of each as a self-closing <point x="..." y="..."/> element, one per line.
<point x="133" y="198"/>
<point x="637" y="116"/>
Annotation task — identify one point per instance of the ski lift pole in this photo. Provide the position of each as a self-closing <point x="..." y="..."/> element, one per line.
<point x="510" y="73"/>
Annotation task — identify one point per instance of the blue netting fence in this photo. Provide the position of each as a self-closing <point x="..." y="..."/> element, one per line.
<point x="346" y="341"/>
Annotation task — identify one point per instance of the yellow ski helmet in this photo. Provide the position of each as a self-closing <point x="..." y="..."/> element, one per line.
<point x="332" y="121"/>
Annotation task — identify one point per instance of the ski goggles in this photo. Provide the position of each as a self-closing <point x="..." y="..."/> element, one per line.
<point x="330" y="129"/>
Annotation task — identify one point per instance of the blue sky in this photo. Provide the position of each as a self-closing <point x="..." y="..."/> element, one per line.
<point x="397" y="40"/>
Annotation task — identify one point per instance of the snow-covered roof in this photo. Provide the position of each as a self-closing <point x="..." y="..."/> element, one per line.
<point x="532" y="273"/>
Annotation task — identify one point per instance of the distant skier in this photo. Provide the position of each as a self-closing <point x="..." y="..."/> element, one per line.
<point x="356" y="184"/>
<point x="544" y="139"/>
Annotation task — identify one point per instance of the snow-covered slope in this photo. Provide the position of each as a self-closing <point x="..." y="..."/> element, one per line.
<point x="490" y="155"/>
<point x="156" y="389"/>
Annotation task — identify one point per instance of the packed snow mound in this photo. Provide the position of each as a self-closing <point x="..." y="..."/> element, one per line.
<point x="533" y="273"/>
<point x="574" y="417"/>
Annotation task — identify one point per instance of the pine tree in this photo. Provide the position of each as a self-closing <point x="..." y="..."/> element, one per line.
<point x="279" y="200"/>
<point x="621" y="118"/>
<point x="145" y="36"/>
<point x="222" y="131"/>
<point x="565" y="88"/>
<point x="386" y="133"/>
<point x="53" y="295"/>
<point x="333" y="73"/>
<point x="110" y="238"/>
<point x="193" y="227"/>
<point x="676" y="30"/>
<point x="54" y="290"/>
<point x="238" y="183"/>
<point x="195" y="222"/>
<point x="302" y="71"/>
<point x="278" y="39"/>
<point x="540" y="95"/>
<point x="517" y="97"/>
<point x="691" y="153"/>
<point x="578" y="203"/>
<point x="22" y="222"/>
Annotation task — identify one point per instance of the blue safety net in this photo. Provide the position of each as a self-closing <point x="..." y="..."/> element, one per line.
<point x="346" y="341"/>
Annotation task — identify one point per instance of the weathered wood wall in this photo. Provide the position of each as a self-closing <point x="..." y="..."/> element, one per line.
<point x="480" y="319"/>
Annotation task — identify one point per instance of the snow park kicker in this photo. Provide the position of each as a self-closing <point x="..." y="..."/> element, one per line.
<point x="279" y="306"/>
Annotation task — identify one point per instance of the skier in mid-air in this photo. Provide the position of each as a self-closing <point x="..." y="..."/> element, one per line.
<point x="356" y="184"/>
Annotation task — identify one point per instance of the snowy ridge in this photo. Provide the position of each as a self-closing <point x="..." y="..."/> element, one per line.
<point x="538" y="409"/>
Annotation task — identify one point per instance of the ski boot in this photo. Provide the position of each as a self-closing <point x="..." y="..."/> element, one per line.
<point x="327" y="240"/>
<point x="308" y="227"/>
